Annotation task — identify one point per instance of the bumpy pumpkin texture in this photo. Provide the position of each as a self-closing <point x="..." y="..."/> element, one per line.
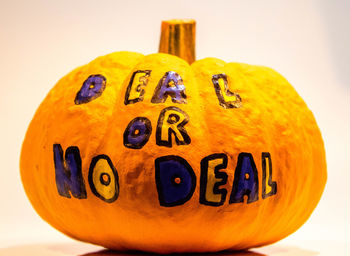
<point x="269" y="129"/>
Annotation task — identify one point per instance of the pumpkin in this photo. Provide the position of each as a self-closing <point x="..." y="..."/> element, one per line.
<point x="162" y="153"/>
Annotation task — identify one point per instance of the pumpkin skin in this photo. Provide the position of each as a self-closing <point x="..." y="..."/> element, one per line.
<point x="273" y="118"/>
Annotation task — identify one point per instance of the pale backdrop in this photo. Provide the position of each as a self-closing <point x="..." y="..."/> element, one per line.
<point x="306" y="41"/>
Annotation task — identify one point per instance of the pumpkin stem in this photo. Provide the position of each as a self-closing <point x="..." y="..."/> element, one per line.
<point x="178" y="38"/>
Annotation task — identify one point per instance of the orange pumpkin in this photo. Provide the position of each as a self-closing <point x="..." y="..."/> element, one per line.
<point x="160" y="154"/>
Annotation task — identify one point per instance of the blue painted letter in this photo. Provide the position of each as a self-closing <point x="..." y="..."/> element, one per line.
<point x="137" y="133"/>
<point x="171" y="84"/>
<point x="246" y="180"/>
<point x="68" y="172"/>
<point x="92" y="88"/>
<point x="175" y="180"/>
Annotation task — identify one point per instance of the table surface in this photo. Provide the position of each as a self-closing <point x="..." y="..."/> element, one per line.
<point x="300" y="248"/>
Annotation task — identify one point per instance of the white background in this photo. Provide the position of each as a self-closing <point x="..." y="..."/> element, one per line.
<point x="306" y="41"/>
